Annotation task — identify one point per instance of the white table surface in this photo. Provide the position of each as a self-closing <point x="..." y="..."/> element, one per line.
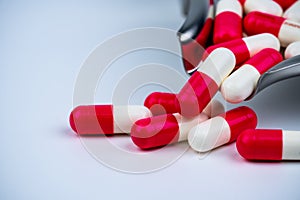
<point x="43" y="46"/>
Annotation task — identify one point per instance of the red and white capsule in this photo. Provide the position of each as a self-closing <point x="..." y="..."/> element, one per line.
<point x="222" y="129"/>
<point x="160" y="103"/>
<point x="270" y="7"/>
<point x="161" y="130"/>
<point x="192" y="51"/>
<point x="242" y="82"/>
<point x="228" y="21"/>
<point x="287" y="31"/>
<point x="292" y="50"/>
<point x="268" y="144"/>
<point x="205" y="82"/>
<point x="246" y="47"/>
<point x="106" y="119"/>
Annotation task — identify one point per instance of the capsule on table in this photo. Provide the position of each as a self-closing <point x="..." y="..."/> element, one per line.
<point x="285" y="4"/>
<point x="287" y="31"/>
<point x="270" y="7"/>
<point x="205" y="82"/>
<point x="228" y="21"/>
<point x="160" y="103"/>
<point x="268" y="144"/>
<point x="293" y="12"/>
<point x="246" y="47"/>
<point x="242" y="82"/>
<point x="222" y="129"/>
<point x="106" y="119"/>
<point x="192" y="51"/>
<point x="292" y="50"/>
<point x="161" y="130"/>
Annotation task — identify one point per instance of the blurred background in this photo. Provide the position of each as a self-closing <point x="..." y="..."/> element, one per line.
<point x="44" y="44"/>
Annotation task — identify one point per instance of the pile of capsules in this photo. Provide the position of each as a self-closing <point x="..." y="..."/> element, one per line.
<point x="233" y="65"/>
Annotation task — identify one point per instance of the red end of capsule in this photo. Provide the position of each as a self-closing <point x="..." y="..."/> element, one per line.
<point x="285" y="4"/>
<point x="228" y="26"/>
<point x="196" y="94"/>
<point x="91" y="120"/>
<point x="242" y="2"/>
<point x="155" y="131"/>
<point x="258" y="22"/>
<point x="160" y="103"/>
<point x="260" y="144"/>
<point x="240" y="119"/>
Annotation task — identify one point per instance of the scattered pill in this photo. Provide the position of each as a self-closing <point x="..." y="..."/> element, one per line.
<point x="242" y="82"/>
<point x="287" y="31"/>
<point x="228" y="21"/>
<point x="106" y="119"/>
<point x="293" y="12"/>
<point x="266" y="6"/>
<point x="292" y="50"/>
<point x="222" y="129"/>
<point x="161" y="130"/>
<point x="193" y="114"/>
<point x="267" y="144"/>
<point x="246" y="47"/>
<point x="205" y="82"/>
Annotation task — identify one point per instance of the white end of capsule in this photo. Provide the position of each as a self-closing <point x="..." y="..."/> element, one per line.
<point x="240" y="84"/>
<point x="125" y="116"/>
<point x="289" y="32"/>
<point x="270" y="7"/>
<point x="290" y="145"/>
<point x="218" y="65"/>
<point x="259" y="42"/>
<point x="229" y="6"/>
<point x="292" y="50"/>
<point x="209" y="134"/>
<point x="293" y="12"/>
